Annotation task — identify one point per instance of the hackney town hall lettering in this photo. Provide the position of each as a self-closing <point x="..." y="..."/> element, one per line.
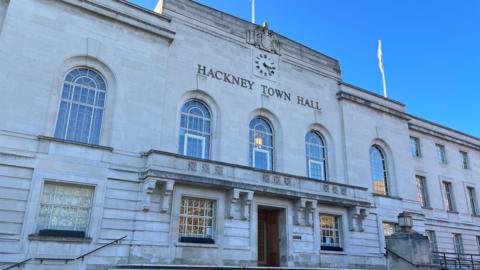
<point x="250" y="85"/>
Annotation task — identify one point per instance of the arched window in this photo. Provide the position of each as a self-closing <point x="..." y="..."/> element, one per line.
<point x="81" y="106"/>
<point x="378" y="165"/>
<point x="261" y="144"/>
<point x="316" y="156"/>
<point x="195" y="130"/>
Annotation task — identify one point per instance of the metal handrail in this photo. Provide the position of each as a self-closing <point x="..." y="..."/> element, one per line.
<point x="67" y="259"/>
<point x="17" y="264"/>
<point x="452" y="260"/>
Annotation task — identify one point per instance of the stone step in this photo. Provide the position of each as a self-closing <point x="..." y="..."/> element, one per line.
<point x="215" y="267"/>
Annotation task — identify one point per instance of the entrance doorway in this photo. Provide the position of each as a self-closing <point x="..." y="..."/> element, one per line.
<point x="268" y="237"/>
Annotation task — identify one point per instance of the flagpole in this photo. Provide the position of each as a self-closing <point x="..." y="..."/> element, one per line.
<point x="253" y="11"/>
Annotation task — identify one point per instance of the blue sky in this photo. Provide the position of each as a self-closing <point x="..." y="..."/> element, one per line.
<point x="431" y="48"/>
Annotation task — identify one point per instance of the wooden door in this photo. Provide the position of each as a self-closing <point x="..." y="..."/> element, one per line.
<point x="268" y="238"/>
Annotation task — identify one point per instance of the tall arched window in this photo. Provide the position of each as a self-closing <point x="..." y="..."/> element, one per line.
<point x="195" y="130"/>
<point x="316" y="156"/>
<point x="81" y="106"/>
<point x="261" y="144"/>
<point x="378" y="165"/>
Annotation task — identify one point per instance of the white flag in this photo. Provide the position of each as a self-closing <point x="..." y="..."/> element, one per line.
<point x="380" y="65"/>
<point x="380" y="56"/>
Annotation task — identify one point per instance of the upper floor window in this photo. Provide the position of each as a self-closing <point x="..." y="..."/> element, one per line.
<point x="379" y="170"/>
<point x="465" y="161"/>
<point x="389" y="228"/>
<point x="458" y="243"/>
<point x="472" y="197"/>
<point x="316" y="156"/>
<point x="422" y="192"/>
<point x="415" y="147"/>
<point x="64" y="210"/>
<point x="449" y="196"/>
<point x="261" y="144"/>
<point x="195" y="130"/>
<point x="81" y="106"/>
<point x="440" y="153"/>
<point x="478" y="243"/>
<point x="432" y="238"/>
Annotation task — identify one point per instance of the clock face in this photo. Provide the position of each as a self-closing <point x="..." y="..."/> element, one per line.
<point x="265" y="65"/>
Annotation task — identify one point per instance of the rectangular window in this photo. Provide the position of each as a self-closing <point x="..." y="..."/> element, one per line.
<point x="389" y="228"/>
<point x="261" y="159"/>
<point x="330" y="230"/>
<point x="64" y="210"/>
<point x="194" y="146"/>
<point x="478" y="243"/>
<point x="448" y="196"/>
<point x="432" y="238"/>
<point x="465" y="161"/>
<point x="440" y="153"/>
<point x="422" y="194"/>
<point x="458" y="243"/>
<point x="415" y="147"/>
<point x="197" y="221"/>
<point x="472" y="197"/>
<point x="316" y="169"/>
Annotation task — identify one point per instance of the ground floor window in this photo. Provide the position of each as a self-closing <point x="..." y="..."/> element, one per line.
<point x="389" y="228"/>
<point x="458" y="243"/>
<point x="330" y="230"/>
<point x="197" y="220"/>
<point x="64" y="210"/>
<point x="433" y="240"/>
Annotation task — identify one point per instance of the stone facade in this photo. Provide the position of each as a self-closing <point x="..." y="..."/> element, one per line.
<point x="154" y="62"/>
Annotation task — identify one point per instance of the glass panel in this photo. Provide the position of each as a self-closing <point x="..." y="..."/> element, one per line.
<point x="378" y="170"/>
<point x="194" y="120"/>
<point x="261" y="159"/>
<point x="194" y="146"/>
<point x="196" y="218"/>
<point x="330" y="231"/>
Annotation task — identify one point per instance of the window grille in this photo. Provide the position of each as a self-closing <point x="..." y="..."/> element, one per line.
<point x="330" y="229"/>
<point x="64" y="208"/>
<point x="197" y="219"/>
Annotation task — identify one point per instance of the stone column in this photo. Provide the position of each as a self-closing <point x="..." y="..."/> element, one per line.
<point x="407" y="249"/>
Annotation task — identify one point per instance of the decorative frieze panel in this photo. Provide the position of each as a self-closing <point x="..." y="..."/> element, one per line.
<point x="356" y="215"/>
<point x="166" y="189"/>
<point x="305" y="210"/>
<point x="242" y="198"/>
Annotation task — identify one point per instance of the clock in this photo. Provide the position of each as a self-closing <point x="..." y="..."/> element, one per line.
<point x="265" y="65"/>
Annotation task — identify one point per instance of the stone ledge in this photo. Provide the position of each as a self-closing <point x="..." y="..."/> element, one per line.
<point x="52" y="139"/>
<point x="34" y="237"/>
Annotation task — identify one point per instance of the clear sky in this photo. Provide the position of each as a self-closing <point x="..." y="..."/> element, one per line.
<point x="431" y="48"/>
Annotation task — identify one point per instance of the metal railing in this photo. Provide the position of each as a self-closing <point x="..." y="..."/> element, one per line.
<point x="449" y="260"/>
<point x="66" y="259"/>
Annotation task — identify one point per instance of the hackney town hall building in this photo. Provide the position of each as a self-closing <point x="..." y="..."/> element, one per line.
<point x="186" y="136"/>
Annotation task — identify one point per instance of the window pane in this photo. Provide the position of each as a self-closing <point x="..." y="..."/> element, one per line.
<point x="261" y="144"/>
<point x="316" y="156"/>
<point x="330" y="231"/>
<point x="197" y="218"/>
<point x="378" y="170"/>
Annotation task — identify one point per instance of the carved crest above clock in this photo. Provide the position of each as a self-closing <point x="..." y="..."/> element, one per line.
<point x="264" y="39"/>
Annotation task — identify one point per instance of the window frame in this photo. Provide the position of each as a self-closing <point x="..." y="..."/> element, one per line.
<point x="66" y="233"/>
<point x="385" y="171"/>
<point x="465" y="160"/>
<point x="185" y="238"/>
<point x="338" y="219"/>
<point x="415" y="142"/>
<point x="449" y="196"/>
<point x="79" y="103"/>
<point x="473" y="200"/>
<point x="252" y="146"/>
<point x="189" y="132"/>
<point x="322" y="160"/>
<point x="197" y="137"/>
<point x="422" y="191"/>
<point x="440" y="153"/>
<point x="432" y="238"/>
<point x="458" y="243"/>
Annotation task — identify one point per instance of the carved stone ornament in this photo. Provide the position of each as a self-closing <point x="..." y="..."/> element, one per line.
<point x="356" y="215"/>
<point x="166" y="189"/>
<point x="264" y="39"/>
<point x="244" y="199"/>
<point x="305" y="211"/>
